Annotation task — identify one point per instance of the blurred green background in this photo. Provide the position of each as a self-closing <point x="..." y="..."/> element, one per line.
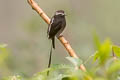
<point x="25" y="32"/>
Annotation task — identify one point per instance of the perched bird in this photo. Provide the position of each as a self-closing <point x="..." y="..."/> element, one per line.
<point x="55" y="28"/>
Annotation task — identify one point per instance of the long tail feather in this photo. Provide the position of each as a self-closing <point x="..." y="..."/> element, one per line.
<point x="50" y="58"/>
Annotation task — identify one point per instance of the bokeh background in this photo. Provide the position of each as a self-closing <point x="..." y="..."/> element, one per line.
<point x="24" y="32"/>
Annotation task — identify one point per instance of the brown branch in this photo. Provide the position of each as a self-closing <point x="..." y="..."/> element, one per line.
<point x="71" y="52"/>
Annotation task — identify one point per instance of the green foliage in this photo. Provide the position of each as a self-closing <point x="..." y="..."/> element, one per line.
<point x="75" y="61"/>
<point x="17" y="77"/>
<point x="114" y="67"/>
<point x="116" y="50"/>
<point x="107" y="67"/>
<point x="103" y="51"/>
<point x="96" y="41"/>
<point x="3" y="54"/>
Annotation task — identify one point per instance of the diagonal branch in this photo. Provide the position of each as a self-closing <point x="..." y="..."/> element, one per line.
<point x="71" y="52"/>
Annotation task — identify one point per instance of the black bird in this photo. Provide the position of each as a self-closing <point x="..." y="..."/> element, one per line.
<point x="55" y="28"/>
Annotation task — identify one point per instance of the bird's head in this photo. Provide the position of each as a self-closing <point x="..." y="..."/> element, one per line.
<point x="60" y="12"/>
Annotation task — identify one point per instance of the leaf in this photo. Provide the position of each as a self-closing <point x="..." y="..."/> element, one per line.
<point x="59" y="66"/>
<point x="39" y="77"/>
<point x="75" y="61"/>
<point x="103" y="52"/>
<point x="3" y="54"/>
<point x="96" y="55"/>
<point x="100" y="78"/>
<point x="70" y="77"/>
<point x="96" y="40"/>
<point x="116" y="50"/>
<point x="59" y="77"/>
<point x="87" y="77"/>
<point x="17" y="77"/>
<point x="115" y="66"/>
<point x="54" y="69"/>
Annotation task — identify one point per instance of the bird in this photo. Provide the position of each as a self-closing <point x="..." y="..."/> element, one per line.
<point x="55" y="28"/>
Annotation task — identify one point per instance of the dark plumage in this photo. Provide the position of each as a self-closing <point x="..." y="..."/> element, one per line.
<point x="56" y="26"/>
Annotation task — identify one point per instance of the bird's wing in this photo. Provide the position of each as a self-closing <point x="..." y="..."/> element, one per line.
<point x="49" y="26"/>
<point x="53" y="28"/>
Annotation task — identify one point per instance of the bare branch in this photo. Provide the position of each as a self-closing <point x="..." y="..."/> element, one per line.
<point x="71" y="52"/>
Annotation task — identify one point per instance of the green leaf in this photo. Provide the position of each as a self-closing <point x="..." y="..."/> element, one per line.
<point x="115" y="66"/>
<point x="70" y="77"/>
<point x="96" y="40"/>
<point x="17" y="77"/>
<point x="54" y="69"/>
<point x="75" y="61"/>
<point x="103" y="52"/>
<point x="60" y="66"/>
<point x="39" y="77"/>
<point x="100" y="78"/>
<point x="96" y="55"/>
<point x="59" y="77"/>
<point x="3" y="54"/>
<point x="116" y="50"/>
